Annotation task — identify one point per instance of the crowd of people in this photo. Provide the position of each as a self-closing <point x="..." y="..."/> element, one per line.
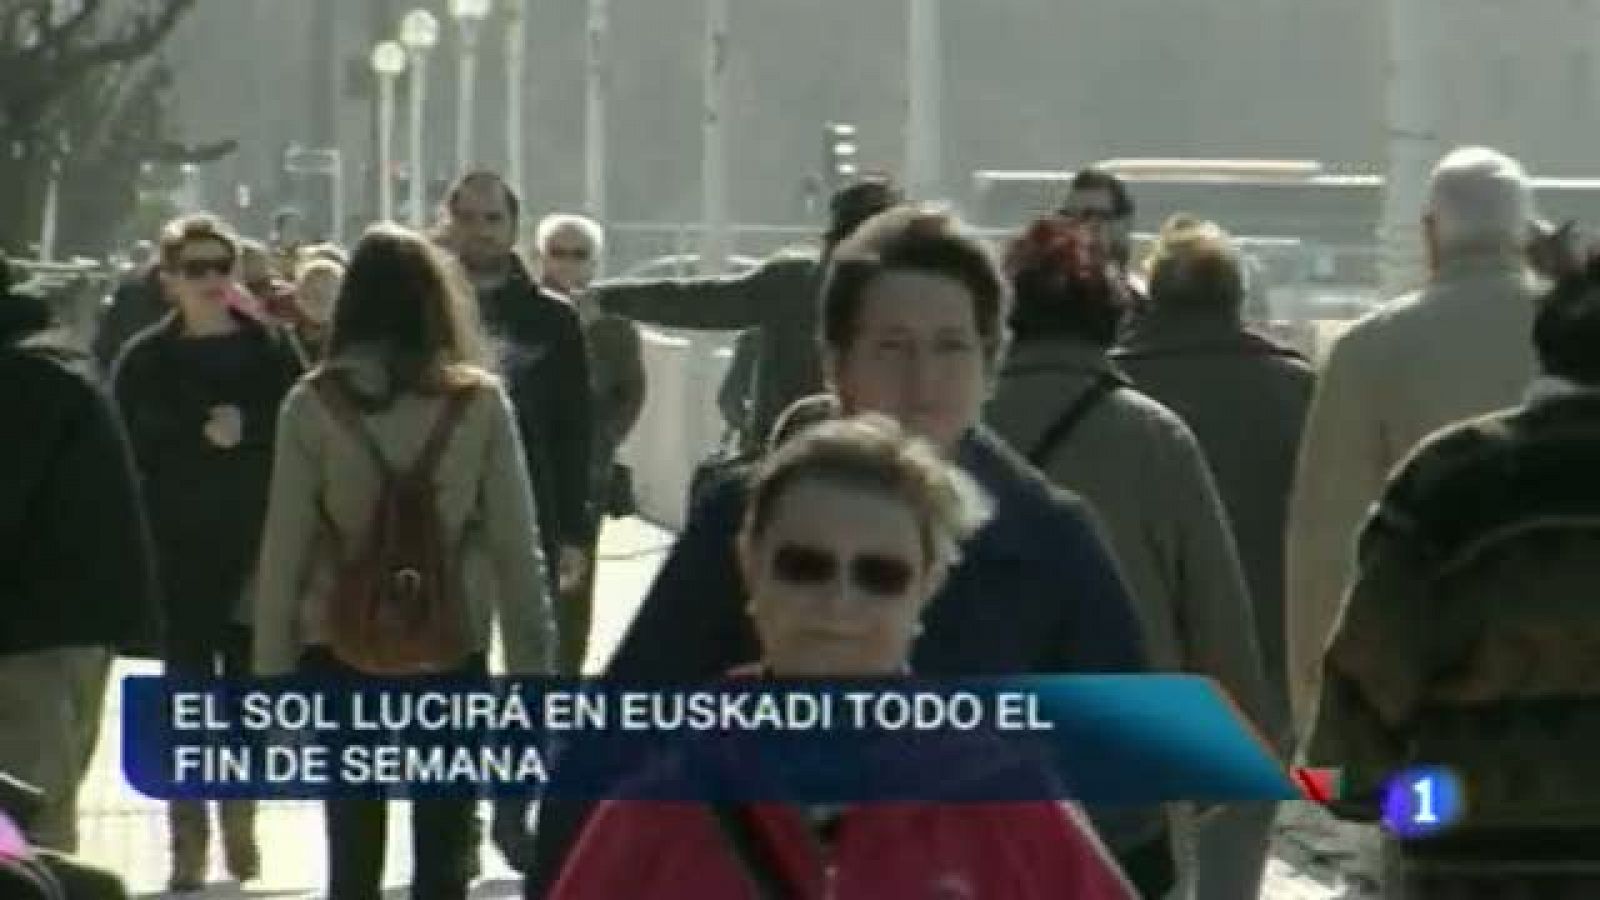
<point x="951" y="461"/>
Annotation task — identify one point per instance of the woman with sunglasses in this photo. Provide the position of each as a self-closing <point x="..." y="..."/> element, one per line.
<point x="200" y="392"/>
<point x="913" y="312"/>
<point x="848" y="533"/>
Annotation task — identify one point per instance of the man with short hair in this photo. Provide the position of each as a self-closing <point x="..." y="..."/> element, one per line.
<point x="1244" y="396"/>
<point x="1468" y="640"/>
<point x="542" y="359"/>
<point x="1455" y="349"/>
<point x="566" y="248"/>
<point x="1100" y="199"/>
<point x="777" y="301"/>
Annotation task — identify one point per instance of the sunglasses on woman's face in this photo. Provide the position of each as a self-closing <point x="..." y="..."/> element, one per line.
<point x="196" y="269"/>
<point x="800" y="564"/>
<point x="576" y="254"/>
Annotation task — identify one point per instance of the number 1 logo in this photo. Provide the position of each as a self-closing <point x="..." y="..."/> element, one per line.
<point x="1422" y="801"/>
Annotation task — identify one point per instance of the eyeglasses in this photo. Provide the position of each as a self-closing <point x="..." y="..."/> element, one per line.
<point x="800" y="564"/>
<point x="196" y="269"/>
<point x="576" y="254"/>
<point x="1090" y="215"/>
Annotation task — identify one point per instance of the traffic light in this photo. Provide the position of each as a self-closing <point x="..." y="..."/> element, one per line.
<point x="840" y="153"/>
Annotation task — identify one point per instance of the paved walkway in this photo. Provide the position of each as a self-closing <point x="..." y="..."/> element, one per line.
<point x="127" y="832"/>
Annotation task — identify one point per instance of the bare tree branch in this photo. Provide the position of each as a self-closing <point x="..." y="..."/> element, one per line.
<point x="62" y="35"/>
<point x="72" y="61"/>
<point x="143" y="38"/>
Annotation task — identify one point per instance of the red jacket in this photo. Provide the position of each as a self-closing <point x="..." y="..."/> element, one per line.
<point x="1014" y="851"/>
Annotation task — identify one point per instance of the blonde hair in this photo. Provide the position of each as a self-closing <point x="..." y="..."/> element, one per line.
<point x="874" y="453"/>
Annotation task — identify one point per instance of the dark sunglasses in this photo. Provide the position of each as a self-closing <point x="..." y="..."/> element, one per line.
<point x="800" y="564"/>
<point x="196" y="269"/>
<point x="573" y="253"/>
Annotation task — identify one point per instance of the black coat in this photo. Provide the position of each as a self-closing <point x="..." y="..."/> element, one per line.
<point x="75" y="559"/>
<point x="545" y="363"/>
<point x="205" y="504"/>
<point x="136" y="304"/>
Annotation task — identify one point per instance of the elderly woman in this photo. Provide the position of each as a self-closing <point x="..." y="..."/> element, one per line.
<point x="848" y="534"/>
<point x="913" y="314"/>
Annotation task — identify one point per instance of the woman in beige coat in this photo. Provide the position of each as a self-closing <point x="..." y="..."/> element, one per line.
<point x="404" y="341"/>
<point x="1132" y="459"/>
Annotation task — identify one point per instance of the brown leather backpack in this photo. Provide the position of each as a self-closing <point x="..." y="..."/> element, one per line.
<point x="397" y="604"/>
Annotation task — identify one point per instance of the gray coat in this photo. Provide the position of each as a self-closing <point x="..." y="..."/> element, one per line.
<point x="1138" y="465"/>
<point x="1244" y="396"/>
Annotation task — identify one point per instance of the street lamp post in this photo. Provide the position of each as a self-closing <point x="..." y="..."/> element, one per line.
<point x="516" y="41"/>
<point x="714" y="162"/>
<point x="597" y="84"/>
<point x="1413" y="138"/>
<point x="419" y="32"/>
<point x="388" y="61"/>
<point x="924" y="81"/>
<point x="469" y="15"/>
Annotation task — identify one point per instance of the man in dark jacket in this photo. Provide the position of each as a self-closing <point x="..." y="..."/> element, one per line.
<point x="779" y="364"/>
<point x="76" y="579"/>
<point x="1468" y="636"/>
<point x="543" y="360"/>
<point x="1244" y="397"/>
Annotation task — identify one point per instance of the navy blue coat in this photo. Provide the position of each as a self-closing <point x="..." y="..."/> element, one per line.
<point x="1036" y="590"/>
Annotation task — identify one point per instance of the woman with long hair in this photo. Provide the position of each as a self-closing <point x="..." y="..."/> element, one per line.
<point x="403" y="386"/>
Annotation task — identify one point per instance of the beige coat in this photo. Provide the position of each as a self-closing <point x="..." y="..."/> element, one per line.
<point x="483" y="492"/>
<point x="1457" y="349"/>
<point x="1139" y="466"/>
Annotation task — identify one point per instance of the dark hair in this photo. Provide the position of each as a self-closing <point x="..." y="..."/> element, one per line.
<point x="1566" y="329"/>
<point x="473" y="177"/>
<point x="873" y="453"/>
<point x="1091" y="178"/>
<point x="403" y="299"/>
<point x="1061" y="284"/>
<point x="857" y="202"/>
<point x="907" y="238"/>
<point x="185" y="230"/>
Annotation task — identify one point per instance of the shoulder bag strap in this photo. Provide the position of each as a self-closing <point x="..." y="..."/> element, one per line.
<point x="752" y="852"/>
<point x="1068" y="421"/>
<point x="455" y="405"/>
<point x="337" y="399"/>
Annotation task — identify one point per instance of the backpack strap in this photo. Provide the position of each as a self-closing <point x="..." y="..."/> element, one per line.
<point x="336" y="397"/>
<point x="455" y="405"/>
<point x="753" y="853"/>
<point x="1068" y="421"/>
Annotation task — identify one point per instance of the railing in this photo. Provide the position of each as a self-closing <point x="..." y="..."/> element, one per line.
<point x="77" y="290"/>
